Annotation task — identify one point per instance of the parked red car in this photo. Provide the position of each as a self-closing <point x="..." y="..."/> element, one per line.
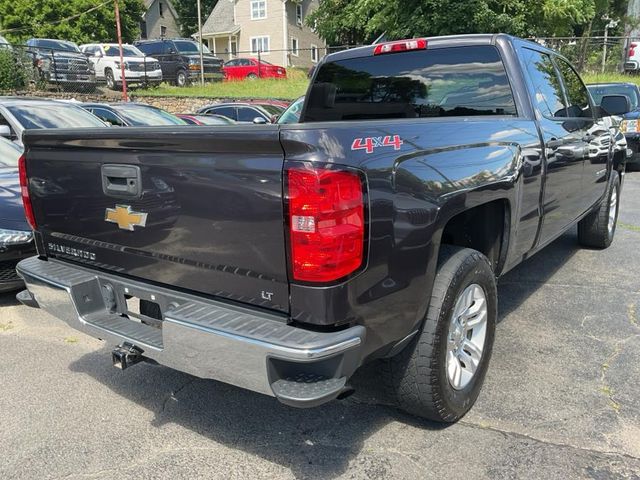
<point x="251" y="68"/>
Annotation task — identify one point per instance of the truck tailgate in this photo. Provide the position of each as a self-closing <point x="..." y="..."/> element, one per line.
<point x="199" y="208"/>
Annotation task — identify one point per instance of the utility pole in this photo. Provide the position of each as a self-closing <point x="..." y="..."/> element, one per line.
<point x="611" y="24"/>
<point x="125" y="97"/>
<point x="200" y="42"/>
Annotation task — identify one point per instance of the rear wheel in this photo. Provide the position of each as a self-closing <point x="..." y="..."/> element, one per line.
<point x="598" y="228"/>
<point x="252" y="76"/>
<point x="439" y="375"/>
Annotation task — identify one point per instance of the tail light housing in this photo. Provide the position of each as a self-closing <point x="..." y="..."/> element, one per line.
<point x="400" y="46"/>
<point x="24" y="192"/>
<point x="326" y="223"/>
<point x="632" y="49"/>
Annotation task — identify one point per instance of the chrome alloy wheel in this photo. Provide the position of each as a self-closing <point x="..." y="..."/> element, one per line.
<point x="613" y="209"/>
<point x="466" y="338"/>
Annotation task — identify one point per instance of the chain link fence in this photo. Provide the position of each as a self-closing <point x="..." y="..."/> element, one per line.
<point x="604" y="54"/>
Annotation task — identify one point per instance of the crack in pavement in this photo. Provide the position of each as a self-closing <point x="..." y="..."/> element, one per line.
<point x="525" y="436"/>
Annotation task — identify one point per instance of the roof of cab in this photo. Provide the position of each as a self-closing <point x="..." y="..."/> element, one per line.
<point x="442" y="41"/>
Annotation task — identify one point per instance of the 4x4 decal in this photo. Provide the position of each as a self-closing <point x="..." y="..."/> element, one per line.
<point x="370" y="143"/>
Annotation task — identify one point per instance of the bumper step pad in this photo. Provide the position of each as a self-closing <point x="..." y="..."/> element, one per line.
<point x="307" y="390"/>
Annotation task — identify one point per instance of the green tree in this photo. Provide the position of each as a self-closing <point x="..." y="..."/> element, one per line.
<point x="361" y="21"/>
<point x="76" y="20"/>
<point x="188" y="14"/>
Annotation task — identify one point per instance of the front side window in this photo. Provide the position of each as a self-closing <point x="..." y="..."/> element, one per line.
<point x="546" y="84"/>
<point x="577" y="94"/>
<point x="444" y="82"/>
<point x="258" y="9"/>
<point x="259" y="45"/>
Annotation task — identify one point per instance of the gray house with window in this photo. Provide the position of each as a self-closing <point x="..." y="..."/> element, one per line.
<point x="275" y="28"/>
<point x="160" y="20"/>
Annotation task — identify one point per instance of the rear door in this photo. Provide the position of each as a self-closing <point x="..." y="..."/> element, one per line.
<point x="196" y="210"/>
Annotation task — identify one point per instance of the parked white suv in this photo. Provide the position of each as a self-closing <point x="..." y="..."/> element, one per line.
<point x="632" y="63"/>
<point x="137" y="68"/>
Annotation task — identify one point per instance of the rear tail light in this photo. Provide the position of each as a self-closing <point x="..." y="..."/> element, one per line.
<point x="326" y="223"/>
<point x="24" y="192"/>
<point x="400" y="46"/>
<point x="632" y="49"/>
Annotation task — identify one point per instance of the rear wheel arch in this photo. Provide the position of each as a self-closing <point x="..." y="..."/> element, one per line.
<point x="485" y="228"/>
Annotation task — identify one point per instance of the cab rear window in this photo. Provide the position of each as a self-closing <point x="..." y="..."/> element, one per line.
<point x="443" y="82"/>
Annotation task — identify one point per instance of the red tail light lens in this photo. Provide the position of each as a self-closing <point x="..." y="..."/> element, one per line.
<point x="24" y="191"/>
<point x="632" y="49"/>
<point x="326" y="223"/>
<point x="400" y="46"/>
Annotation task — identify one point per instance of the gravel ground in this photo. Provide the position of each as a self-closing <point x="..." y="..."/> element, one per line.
<point x="560" y="400"/>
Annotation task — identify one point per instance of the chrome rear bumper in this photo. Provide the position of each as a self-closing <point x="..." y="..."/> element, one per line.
<point x="206" y="338"/>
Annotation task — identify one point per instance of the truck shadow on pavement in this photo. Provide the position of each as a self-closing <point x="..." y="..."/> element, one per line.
<point x="317" y="443"/>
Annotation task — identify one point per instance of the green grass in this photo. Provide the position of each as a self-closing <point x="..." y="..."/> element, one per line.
<point x="610" y="77"/>
<point x="294" y="86"/>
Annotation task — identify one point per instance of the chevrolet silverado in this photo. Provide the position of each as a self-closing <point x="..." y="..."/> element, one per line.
<point x="281" y="258"/>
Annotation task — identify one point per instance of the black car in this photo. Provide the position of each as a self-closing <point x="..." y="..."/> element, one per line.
<point x="62" y="63"/>
<point x="240" y="112"/>
<point x="16" y="238"/>
<point x="132" y="114"/>
<point x="630" y="121"/>
<point x="180" y="60"/>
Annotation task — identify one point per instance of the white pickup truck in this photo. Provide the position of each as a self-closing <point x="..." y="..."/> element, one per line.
<point x="138" y="68"/>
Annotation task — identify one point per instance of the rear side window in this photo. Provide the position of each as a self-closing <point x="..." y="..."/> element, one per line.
<point x="454" y="81"/>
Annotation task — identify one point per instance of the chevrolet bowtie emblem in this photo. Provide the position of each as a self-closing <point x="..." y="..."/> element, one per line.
<point x="125" y="217"/>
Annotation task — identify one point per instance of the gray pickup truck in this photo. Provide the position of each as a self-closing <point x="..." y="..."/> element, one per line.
<point x="281" y="258"/>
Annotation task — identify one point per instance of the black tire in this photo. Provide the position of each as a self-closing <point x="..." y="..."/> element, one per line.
<point x="252" y="76"/>
<point x="594" y="230"/>
<point x="417" y="376"/>
<point x="182" y="80"/>
<point x="110" y="79"/>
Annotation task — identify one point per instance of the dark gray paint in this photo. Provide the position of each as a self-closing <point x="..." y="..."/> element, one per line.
<point x="220" y="229"/>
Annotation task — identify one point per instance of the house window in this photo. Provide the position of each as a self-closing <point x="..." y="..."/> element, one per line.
<point x="161" y="7"/>
<point x="259" y="44"/>
<point x="294" y="46"/>
<point x="314" y="53"/>
<point x="258" y="9"/>
<point x="299" y="17"/>
<point x="163" y="31"/>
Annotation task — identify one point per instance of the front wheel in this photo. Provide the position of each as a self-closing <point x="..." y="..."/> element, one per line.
<point x="439" y="375"/>
<point x="597" y="229"/>
<point x="181" y="78"/>
<point x="111" y="82"/>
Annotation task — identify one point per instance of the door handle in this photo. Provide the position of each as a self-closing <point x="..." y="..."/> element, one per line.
<point x="121" y="181"/>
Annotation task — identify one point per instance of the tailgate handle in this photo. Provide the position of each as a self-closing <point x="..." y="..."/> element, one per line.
<point x="121" y="181"/>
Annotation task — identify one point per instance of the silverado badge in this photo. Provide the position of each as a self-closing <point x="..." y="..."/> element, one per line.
<point x="125" y="217"/>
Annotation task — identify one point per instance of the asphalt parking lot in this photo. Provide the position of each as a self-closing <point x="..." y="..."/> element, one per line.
<point x="561" y="400"/>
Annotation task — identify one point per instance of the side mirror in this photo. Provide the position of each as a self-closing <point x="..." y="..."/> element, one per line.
<point x="616" y="104"/>
<point x="172" y="51"/>
<point x="5" y="131"/>
<point x="259" y="121"/>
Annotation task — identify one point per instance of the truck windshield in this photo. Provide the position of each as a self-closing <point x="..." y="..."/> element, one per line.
<point x="56" y="45"/>
<point x="453" y="81"/>
<point x="185" y="46"/>
<point x="127" y="51"/>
